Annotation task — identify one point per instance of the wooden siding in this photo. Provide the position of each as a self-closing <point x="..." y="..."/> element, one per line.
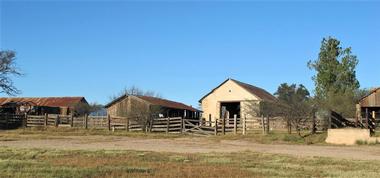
<point x="372" y="100"/>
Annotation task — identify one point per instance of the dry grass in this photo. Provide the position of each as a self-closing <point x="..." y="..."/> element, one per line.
<point x="275" y="137"/>
<point x="42" y="133"/>
<point x="55" y="163"/>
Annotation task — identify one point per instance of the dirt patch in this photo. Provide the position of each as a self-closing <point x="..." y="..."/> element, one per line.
<point x="193" y="145"/>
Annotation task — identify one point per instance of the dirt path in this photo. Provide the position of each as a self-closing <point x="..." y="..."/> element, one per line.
<point x="193" y="145"/>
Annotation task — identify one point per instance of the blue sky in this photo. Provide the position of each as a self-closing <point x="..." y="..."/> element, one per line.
<point x="179" y="49"/>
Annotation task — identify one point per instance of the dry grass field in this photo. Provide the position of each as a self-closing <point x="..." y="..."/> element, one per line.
<point x="58" y="163"/>
<point x="99" y="153"/>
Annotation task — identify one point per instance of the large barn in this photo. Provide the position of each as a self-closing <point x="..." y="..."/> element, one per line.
<point x="235" y="97"/>
<point x="42" y="105"/>
<point x="133" y="106"/>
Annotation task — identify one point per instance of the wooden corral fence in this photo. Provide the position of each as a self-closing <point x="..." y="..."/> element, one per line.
<point x="112" y="123"/>
<point x="231" y="125"/>
<point x="10" y="121"/>
<point x="166" y="125"/>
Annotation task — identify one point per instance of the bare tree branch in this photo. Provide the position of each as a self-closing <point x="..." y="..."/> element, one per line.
<point x="7" y="69"/>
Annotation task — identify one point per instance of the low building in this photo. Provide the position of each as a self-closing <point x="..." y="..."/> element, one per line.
<point x="42" y="105"/>
<point x="369" y="105"/>
<point x="133" y="106"/>
<point x="234" y="97"/>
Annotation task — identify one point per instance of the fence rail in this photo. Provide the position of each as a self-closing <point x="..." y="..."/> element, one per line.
<point x="165" y="125"/>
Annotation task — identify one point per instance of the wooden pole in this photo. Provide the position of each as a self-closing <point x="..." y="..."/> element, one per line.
<point x="167" y="125"/>
<point x="366" y="117"/>
<point x="224" y="126"/>
<point x="72" y="120"/>
<point x="25" y="120"/>
<point x="235" y="124"/>
<point x="127" y="124"/>
<point x="183" y="125"/>
<point x="268" y="124"/>
<point x="56" y="122"/>
<point x="209" y="120"/>
<point x="263" y="123"/>
<point x="244" y="125"/>
<point x="46" y="120"/>
<point x="85" y="121"/>
<point x="109" y="122"/>
<point x="358" y="114"/>
<point x="216" y="127"/>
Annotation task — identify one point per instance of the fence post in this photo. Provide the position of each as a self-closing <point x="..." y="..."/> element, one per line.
<point x="182" y="125"/>
<point x="235" y="124"/>
<point x="72" y="120"/>
<point x="85" y="121"/>
<point x="263" y="123"/>
<point x="127" y="124"/>
<point x="366" y="117"/>
<point x="109" y="122"/>
<point x="56" y="121"/>
<point x="224" y="126"/>
<point x="209" y="120"/>
<point x="167" y="125"/>
<point x="244" y="125"/>
<point x="216" y="127"/>
<point x="25" y="120"/>
<point x="46" y="120"/>
<point x="268" y="124"/>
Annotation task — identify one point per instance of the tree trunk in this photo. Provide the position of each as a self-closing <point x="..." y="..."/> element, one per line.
<point x="289" y="125"/>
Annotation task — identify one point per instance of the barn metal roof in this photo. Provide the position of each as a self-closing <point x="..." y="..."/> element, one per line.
<point x="46" y="101"/>
<point x="158" y="102"/>
<point x="167" y="103"/>
<point x="372" y="99"/>
<point x="259" y="92"/>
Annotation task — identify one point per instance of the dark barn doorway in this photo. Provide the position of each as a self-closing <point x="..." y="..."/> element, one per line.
<point x="231" y="107"/>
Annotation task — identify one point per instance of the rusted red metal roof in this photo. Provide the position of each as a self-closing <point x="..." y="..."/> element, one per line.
<point x="46" y="101"/>
<point x="167" y="103"/>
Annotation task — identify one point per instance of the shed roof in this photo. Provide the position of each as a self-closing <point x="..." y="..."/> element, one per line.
<point x="370" y="93"/>
<point x="46" y="101"/>
<point x="158" y="102"/>
<point x="372" y="99"/>
<point x="259" y="92"/>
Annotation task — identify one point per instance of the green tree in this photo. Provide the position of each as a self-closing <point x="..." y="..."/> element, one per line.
<point x="7" y="69"/>
<point x="335" y="79"/>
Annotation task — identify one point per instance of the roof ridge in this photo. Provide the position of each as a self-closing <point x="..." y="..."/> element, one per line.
<point x="163" y="99"/>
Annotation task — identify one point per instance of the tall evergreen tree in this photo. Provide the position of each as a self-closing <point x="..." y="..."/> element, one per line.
<point x="335" y="77"/>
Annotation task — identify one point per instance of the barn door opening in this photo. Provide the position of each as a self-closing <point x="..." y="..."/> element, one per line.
<point x="231" y="108"/>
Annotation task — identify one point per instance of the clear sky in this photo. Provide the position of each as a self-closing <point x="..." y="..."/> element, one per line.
<point x="179" y="49"/>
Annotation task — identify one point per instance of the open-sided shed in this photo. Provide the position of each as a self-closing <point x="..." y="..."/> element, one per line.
<point x="369" y="107"/>
<point x="132" y="106"/>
